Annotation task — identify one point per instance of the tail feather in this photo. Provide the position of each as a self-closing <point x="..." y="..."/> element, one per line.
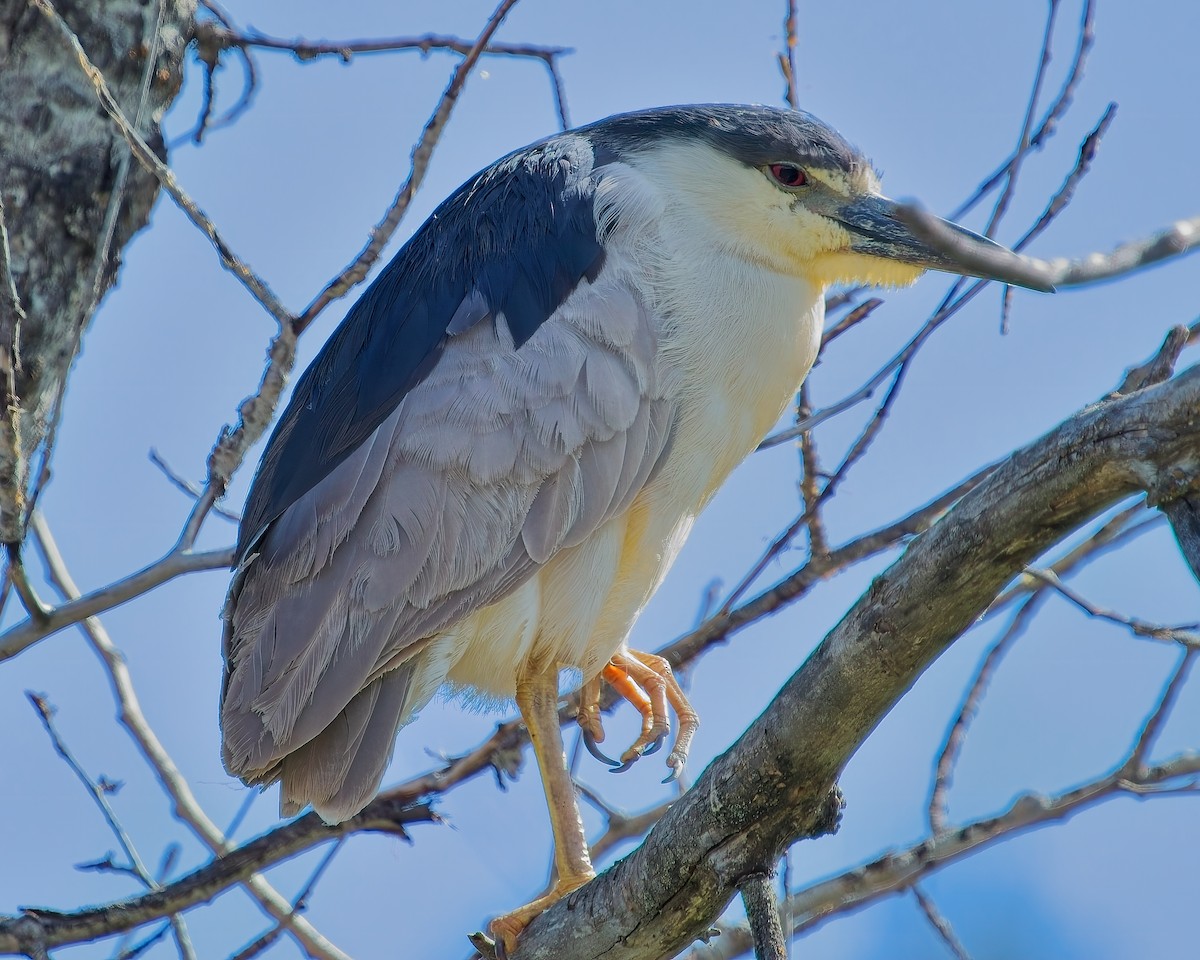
<point x="340" y="769"/>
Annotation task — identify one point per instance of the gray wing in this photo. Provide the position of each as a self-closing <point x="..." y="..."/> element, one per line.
<point x="499" y="458"/>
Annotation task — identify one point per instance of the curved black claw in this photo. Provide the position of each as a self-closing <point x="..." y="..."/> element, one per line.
<point x="674" y="774"/>
<point x="590" y="743"/>
<point x="654" y="745"/>
<point x="626" y="765"/>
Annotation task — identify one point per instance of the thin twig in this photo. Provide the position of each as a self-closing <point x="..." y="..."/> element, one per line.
<point x="1177" y="240"/>
<point x="1157" y="719"/>
<point x="1014" y="167"/>
<point x="216" y="36"/>
<point x="137" y="948"/>
<point x="193" y="490"/>
<point x="12" y="457"/>
<point x="559" y="85"/>
<point x="722" y="625"/>
<point x="949" y="308"/>
<point x="787" y="57"/>
<point x="619" y="826"/>
<point x="210" y="55"/>
<point x="849" y="321"/>
<point x="1184" y="635"/>
<point x="940" y="924"/>
<point x="356" y="271"/>
<point x="261" y="943"/>
<point x="135" y="867"/>
<point x="18" y="576"/>
<point x="148" y="159"/>
<point x="48" y="621"/>
<point x="186" y="807"/>
<point x="956" y="737"/>
<point x="810" y="472"/>
<point x="345" y="50"/>
<point x="1049" y="123"/>
<point x="1119" y="529"/>
<point x="1065" y="193"/>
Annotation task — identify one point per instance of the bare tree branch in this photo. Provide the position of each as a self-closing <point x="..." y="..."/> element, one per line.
<point x="762" y="915"/>
<point x="166" y="178"/>
<point x="1177" y="240"/>
<point x="217" y="36"/>
<point x="948" y="757"/>
<point x="1049" y="123"/>
<point x="175" y="564"/>
<point x="722" y="625"/>
<point x="850" y="320"/>
<point x="192" y="490"/>
<point x="13" y="468"/>
<point x="773" y="785"/>
<point x="186" y="807"/>
<point x="900" y="870"/>
<point x="305" y="50"/>
<point x="1013" y="168"/>
<point x="356" y="271"/>
<point x="1185" y="635"/>
<point x="1158" y="717"/>
<point x="136" y="867"/>
<point x="940" y="924"/>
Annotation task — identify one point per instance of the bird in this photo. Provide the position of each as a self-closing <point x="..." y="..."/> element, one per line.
<point x="488" y="469"/>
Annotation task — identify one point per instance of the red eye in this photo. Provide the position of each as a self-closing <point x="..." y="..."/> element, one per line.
<point x="788" y="175"/>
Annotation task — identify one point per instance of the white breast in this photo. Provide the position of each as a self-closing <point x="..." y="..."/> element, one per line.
<point x="738" y="335"/>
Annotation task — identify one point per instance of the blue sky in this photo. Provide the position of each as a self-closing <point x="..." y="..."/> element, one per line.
<point x="935" y="94"/>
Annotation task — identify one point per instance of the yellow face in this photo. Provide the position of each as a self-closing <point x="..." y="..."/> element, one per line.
<point x="757" y="220"/>
<point x="817" y="247"/>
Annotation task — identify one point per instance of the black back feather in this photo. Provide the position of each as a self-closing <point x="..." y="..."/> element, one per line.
<point x="513" y="241"/>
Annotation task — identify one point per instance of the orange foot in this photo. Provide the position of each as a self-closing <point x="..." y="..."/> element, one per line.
<point x="647" y="682"/>
<point x="506" y="929"/>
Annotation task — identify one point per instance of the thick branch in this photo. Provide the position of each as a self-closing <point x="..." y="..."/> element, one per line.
<point x="771" y="787"/>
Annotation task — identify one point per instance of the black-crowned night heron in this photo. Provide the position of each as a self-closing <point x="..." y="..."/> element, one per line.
<point x="489" y="468"/>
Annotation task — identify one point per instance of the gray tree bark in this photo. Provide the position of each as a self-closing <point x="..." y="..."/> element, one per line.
<point x="72" y="199"/>
<point x="776" y="785"/>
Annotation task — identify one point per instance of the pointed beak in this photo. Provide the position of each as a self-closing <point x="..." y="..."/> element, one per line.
<point x="898" y="231"/>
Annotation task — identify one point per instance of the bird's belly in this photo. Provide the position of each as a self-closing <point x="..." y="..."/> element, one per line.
<point x="577" y="610"/>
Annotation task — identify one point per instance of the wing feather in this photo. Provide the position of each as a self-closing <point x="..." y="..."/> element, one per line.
<point x="499" y="458"/>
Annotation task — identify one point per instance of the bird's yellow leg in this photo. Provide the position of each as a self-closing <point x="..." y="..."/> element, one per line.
<point x="689" y="720"/>
<point x="537" y="699"/>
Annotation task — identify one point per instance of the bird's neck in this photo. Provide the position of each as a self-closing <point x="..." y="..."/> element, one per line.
<point x="737" y="336"/>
